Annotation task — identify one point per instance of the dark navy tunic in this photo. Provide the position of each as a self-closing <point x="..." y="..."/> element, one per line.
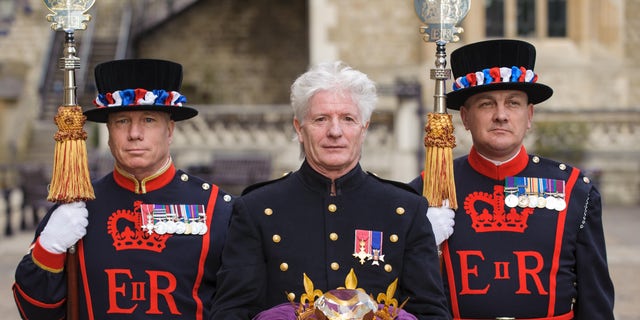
<point x="294" y="225"/>
<point x="527" y="262"/>
<point x="122" y="274"/>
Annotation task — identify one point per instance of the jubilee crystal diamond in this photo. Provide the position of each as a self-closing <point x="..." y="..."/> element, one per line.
<point x="346" y="304"/>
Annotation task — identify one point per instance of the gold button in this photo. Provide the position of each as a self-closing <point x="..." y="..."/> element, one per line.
<point x="268" y="211"/>
<point x="184" y="177"/>
<point x="206" y="186"/>
<point x="562" y="166"/>
<point x="586" y="180"/>
<point x="333" y="236"/>
<point x="535" y="159"/>
<point x="291" y="296"/>
<point x="332" y="208"/>
<point x="388" y="268"/>
<point x="400" y="210"/>
<point x="284" y="266"/>
<point x="393" y="238"/>
<point x="276" y="238"/>
<point x="335" y="266"/>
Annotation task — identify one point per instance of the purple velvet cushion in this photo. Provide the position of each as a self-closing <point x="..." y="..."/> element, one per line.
<point x="287" y="311"/>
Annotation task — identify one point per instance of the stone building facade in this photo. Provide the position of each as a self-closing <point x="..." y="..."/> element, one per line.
<point x="240" y="57"/>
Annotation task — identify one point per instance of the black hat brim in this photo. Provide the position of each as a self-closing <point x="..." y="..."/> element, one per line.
<point x="536" y="92"/>
<point x="177" y="113"/>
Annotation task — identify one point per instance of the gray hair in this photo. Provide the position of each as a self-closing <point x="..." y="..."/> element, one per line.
<point x="336" y="77"/>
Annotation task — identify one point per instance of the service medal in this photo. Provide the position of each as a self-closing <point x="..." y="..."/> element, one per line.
<point x="550" y="203"/>
<point x="368" y="246"/>
<point x="560" y="204"/>
<point x="195" y="228"/>
<point x="362" y="245"/>
<point x="161" y="228"/>
<point x="511" y="201"/>
<point x="523" y="201"/>
<point x="542" y="202"/>
<point x="171" y="227"/>
<point x="376" y="248"/>
<point x="180" y="227"/>
<point x="533" y="201"/>
<point x="203" y="228"/>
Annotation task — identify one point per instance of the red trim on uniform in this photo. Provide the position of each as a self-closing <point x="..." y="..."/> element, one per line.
<point x="566" y="316"/>
<point x="85" y="279"/>
<point x="213" y="196"/>
<point x="18" y="304"/>
<point x="489" y="169"/>
<point x="130" y="183"/>
<point x="52" y="262"/>
<point x="562" y="217"/>
<point x="124" y="181"/>
<point x="18" y="290"/>
<point x="162" y="180"/>
<point x="455" y="308"/>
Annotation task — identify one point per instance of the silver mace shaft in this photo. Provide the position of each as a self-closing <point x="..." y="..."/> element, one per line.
<point x="440" y="74"/>
<point x="69" y="63"/>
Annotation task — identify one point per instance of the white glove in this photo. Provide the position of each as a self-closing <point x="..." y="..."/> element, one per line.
<point x="442" y="222"/>
<point x="67" y="224"/>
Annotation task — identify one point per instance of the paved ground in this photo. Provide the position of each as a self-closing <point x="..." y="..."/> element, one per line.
<point x="621" y="231"/>
<point x="623" y="251"/>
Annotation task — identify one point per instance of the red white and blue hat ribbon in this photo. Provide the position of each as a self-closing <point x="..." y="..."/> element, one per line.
<point x="495" y="75"/>
<point x="139" y="97"/>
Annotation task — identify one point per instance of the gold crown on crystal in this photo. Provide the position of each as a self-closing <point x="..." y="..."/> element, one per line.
<point x="309" y="308"/>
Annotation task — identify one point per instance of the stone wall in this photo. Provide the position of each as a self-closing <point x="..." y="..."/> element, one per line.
<point x="234" y="51"/>
<point x="247" y="53"/>
<point x="631" y="38"/>
<point x="23" y="49"/>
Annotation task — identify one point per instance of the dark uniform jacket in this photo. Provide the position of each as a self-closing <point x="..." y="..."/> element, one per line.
<point x="294" y="225"/>
<point x="125" y="272"/>
<point x="524" y="261"/>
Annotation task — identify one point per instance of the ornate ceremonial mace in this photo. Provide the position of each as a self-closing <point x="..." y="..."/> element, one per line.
<point x="441" y="18"/>
<point x="70" y="180"/>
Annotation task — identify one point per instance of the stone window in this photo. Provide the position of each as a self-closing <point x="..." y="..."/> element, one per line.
<point x="526" y="18"/>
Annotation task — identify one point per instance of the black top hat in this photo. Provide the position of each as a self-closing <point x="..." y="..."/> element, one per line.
<point x="495" y="65"/>
<point x="139" y="84"/>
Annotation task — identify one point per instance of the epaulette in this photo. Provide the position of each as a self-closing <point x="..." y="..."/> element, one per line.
<point x="263" y="183"/>
<point x="561" y="167"/>
<point x="398" y="184"/>
<point x="564" y="169"/>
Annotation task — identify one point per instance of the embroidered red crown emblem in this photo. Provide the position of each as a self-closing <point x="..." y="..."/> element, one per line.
<point x="125" y="228"/>
<point x="488" y="215"/>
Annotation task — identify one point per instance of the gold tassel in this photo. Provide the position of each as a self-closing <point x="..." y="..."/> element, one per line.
<point x="439" y="183"/>
<point x="70" y="180"/>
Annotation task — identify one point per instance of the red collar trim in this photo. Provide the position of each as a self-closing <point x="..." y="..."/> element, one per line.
<point x="498" y="172"/>
<point x="151" y="183"/>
